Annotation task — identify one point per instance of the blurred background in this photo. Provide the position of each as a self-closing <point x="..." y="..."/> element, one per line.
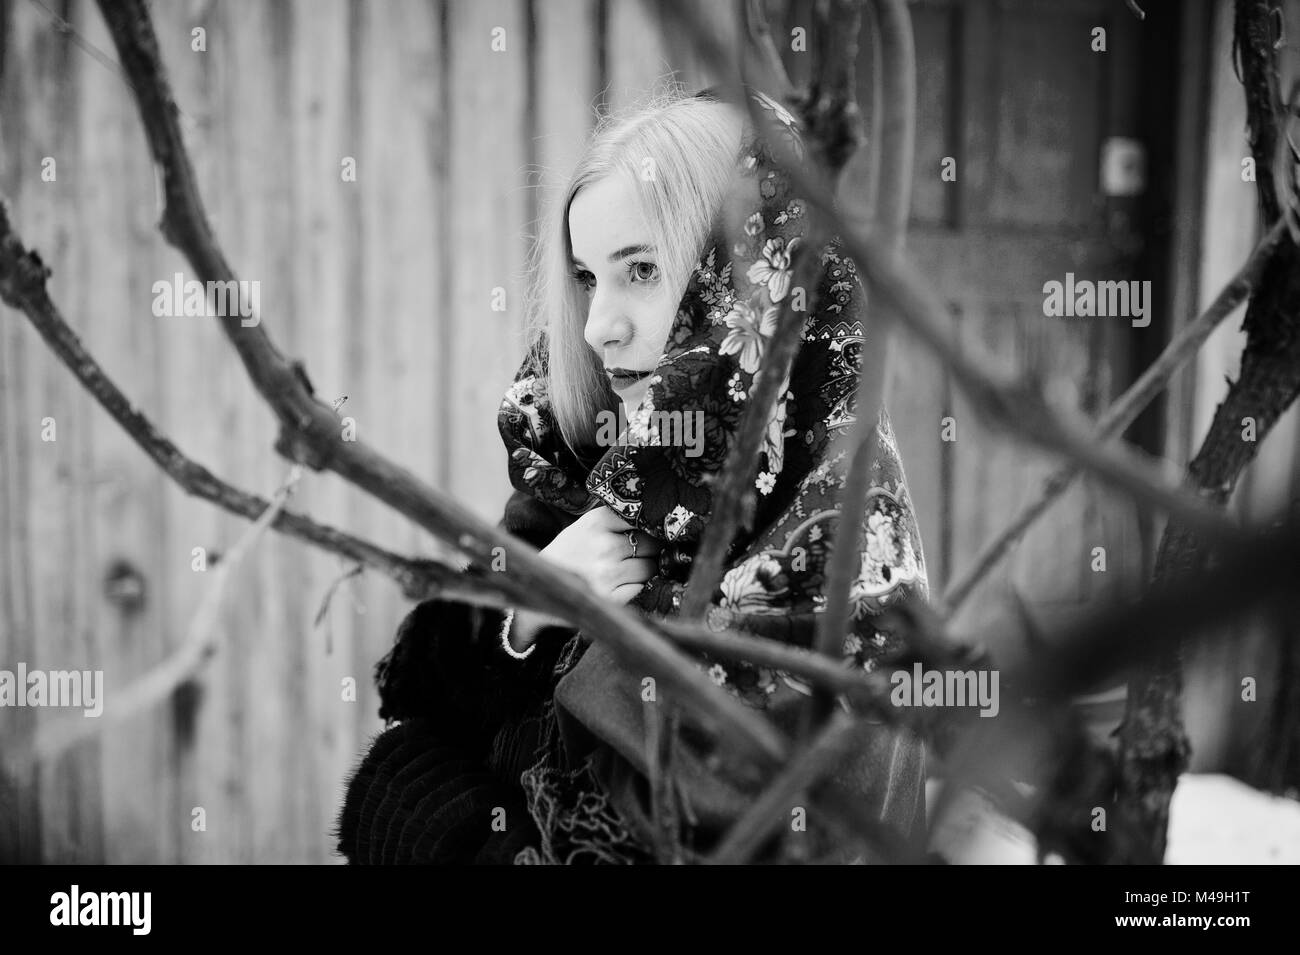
<point x="1117" y="165"/>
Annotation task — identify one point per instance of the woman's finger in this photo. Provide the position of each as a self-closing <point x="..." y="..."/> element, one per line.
<point x="637" y="571"/>
<point x="646" y="546"/>
<point x="642" y="538"/>
<point x="606" y="518"/>
<point x="623" y="593"/>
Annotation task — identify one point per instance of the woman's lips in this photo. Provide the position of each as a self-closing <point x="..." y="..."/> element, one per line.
<point x="621" y="378"/>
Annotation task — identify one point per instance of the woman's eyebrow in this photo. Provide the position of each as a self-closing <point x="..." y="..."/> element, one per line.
<point x="622" y="253"/>
<point x="627" y="250"/>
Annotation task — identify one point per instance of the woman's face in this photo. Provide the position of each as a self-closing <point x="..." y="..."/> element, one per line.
<point x="629" y="302"/>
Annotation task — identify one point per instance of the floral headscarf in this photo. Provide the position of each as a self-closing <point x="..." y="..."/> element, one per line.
<point x="714" y="352"/>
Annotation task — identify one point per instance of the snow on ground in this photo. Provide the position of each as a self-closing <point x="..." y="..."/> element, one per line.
<point x="1213" y="819"/>
<point x="1217" y="818"/>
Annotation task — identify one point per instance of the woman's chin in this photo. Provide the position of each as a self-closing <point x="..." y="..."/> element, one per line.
<point x="632" y="397"/>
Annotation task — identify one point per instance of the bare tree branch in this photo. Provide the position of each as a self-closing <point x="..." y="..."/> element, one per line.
<point x="1020" y="406"/>
<point x="733" y="495"/>
<point x="772" y="808"/>
<point x="762" y="651"/>
<point x="763" y="47"/>
<point x="892" y="203"/>
<point x="22" y="286"/>
<point x="1010" y="402"/>
<point x="310" y="434"/>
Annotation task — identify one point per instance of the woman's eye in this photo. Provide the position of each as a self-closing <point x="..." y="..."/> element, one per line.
<point x="584" y="279"/>
<point x="644" y="272"/>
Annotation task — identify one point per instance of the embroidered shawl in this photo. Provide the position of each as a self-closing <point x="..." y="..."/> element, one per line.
<point x="583" y="790"/>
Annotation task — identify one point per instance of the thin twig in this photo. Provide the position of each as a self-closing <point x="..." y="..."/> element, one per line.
<point x="353" y="571"/>
<point x="95" y="53"/>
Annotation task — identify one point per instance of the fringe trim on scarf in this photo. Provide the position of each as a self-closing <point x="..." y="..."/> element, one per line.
<point x="571" y="811"/>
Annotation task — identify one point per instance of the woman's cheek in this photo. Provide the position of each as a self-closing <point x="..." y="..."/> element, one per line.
<point x="660" y="325"/>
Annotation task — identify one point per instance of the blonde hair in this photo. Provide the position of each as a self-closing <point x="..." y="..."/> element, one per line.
<point x="690" y="146"/>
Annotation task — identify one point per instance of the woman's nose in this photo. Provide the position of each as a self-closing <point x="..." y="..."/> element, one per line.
<point x="607" y="325"/>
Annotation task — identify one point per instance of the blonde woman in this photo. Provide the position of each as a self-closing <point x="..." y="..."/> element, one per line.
<point x="664" y="269"/>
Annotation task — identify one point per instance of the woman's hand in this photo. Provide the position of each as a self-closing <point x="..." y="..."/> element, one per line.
<point x="597" y="549"/>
